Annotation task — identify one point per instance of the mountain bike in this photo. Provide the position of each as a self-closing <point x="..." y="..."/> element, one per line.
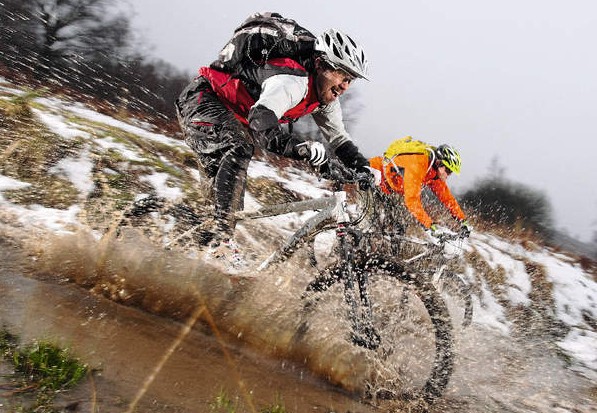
<point x="391" y="307"/>
<point x="393" y="311"/>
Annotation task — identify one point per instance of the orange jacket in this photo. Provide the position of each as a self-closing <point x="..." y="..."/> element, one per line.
<point x="416" y="171"/>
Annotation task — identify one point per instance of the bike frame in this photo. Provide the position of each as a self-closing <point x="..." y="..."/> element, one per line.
<point x="331" y="208"/>
<point x="334" y="209"/>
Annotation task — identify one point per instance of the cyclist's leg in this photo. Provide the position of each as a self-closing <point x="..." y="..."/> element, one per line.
<point x="230" y="181"/>
<point x="223" y="149"/>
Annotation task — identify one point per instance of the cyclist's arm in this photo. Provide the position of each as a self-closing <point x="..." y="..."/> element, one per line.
<point x="331" y="124"/>
<point x="279" y="94"/>
<point x="384" y="184"/>
<point x="329" y="120"/>
<point x="443" y="193"/>
<point x="415" y="169"/>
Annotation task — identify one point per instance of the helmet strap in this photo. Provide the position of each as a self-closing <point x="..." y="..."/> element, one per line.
<point x="432" y="159"/>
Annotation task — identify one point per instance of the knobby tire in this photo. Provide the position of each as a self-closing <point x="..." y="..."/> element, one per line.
<point x="462" y="290"/>
<point x="437" y="310"/>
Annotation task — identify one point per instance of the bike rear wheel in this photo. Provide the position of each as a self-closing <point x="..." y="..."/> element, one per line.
<point x="416" y="357"/>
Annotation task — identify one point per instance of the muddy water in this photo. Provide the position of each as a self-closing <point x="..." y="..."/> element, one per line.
<point x="106" y="303"/>
<point x="126" y="345"/>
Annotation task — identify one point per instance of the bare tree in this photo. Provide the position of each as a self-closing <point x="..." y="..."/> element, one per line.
<point x="84" y="48"/>
<point x="79" y="27"/>
<point x="43" y="37"/>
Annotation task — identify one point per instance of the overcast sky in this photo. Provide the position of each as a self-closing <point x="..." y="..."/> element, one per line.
<point x="512" y="80"/>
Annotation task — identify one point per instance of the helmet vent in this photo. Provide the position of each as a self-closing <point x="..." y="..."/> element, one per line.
<point x="336" y="51"/>
<point x="354" y="44"/>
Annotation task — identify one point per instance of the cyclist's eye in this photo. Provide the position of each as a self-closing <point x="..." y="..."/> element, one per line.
<point x="345" y="76"/>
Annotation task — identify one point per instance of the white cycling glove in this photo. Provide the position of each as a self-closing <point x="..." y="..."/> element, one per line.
<point x="316" y="155"/>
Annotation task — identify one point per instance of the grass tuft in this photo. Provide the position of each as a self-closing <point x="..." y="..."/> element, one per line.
<point x="50" y="366"/>
<point x="41" y="370"/>
<point x="223" y="403"/>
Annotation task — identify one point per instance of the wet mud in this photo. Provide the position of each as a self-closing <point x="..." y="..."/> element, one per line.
<point x="149" y="363"/>
<point x="166" y="334"/>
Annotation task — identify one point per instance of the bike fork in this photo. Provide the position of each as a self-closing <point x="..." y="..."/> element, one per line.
<point x="361" y="316"/>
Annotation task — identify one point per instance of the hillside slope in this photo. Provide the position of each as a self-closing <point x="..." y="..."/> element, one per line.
<point x="68" y="176"/>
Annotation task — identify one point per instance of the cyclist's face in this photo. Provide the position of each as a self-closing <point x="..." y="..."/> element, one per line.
<point x="331" y="84"/>
<point x="443" y="172"/>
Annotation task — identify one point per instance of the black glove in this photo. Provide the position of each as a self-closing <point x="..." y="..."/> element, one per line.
<point x="365" y="179"/>
<point x="465" y="229"/>
<point x="350" y="156"/>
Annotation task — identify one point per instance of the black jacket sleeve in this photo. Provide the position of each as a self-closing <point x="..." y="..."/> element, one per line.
<point x="268" y="133"/>
<point x="350" y="156"/>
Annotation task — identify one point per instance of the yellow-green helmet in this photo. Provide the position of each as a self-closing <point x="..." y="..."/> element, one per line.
<point x="449" y="157"/>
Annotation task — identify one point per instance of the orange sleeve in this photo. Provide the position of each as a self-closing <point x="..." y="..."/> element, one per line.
<point x="415" y="168"/>
<point x="443" y="193"/>
<point x="376" y="163"/>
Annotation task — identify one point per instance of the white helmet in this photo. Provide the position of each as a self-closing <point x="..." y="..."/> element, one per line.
<point x="343" y="52"/>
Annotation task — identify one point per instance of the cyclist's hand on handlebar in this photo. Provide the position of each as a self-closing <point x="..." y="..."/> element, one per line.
<point x="363" y="176"/>
<point x="465" y="229"/>
<point x="371" y="177"/>
<point x="313" y="152"/>
<point x="436" y="234"/>
<point x="367" y="177"/>
<point x="335" y="170"/>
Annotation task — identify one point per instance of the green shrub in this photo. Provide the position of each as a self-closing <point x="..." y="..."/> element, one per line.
<point x="505" y="203"/>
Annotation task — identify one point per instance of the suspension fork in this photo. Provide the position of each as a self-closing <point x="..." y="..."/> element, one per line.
<point x="353" y="277"/>
<point x="347" y="273"/>
<point x="361" y="276"/>
<point x="360" y="312"/>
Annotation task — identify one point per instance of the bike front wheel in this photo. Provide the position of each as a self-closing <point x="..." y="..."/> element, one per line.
<point x="415" y="357"/>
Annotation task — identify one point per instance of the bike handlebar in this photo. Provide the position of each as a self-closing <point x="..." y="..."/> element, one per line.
<point x="449" y="237"/>
<point x="443" y="239"/>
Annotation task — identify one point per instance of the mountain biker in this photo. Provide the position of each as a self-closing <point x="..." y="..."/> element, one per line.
<point x="406" y="174"/>
<point x="224" y="117"/>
